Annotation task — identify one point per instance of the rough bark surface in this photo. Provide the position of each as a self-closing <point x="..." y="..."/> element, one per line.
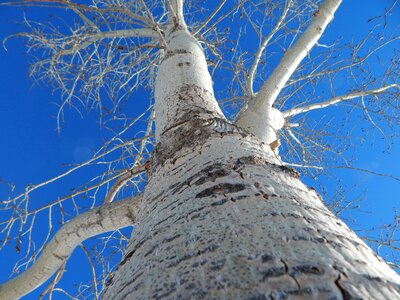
<point x="221" y="219"/>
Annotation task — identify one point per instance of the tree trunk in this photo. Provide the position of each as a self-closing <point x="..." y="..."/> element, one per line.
<point x="221" y="218"/>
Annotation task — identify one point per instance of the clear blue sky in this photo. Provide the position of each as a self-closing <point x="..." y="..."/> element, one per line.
<point x="32" y="150"/>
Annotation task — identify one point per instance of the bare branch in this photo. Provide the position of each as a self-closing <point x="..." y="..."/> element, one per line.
<point x="96" y="292"/>
<point x="50" y="287"/>
<point x="253" y="69"/>
<point x="292" y="58"/>
<point x="337" y="99"/>
<point x="176" y="12"/>
<point x="105" y="218"/>
<point x="120" y="182"/>
<point x="212" y="15"/>
<point x="73" y="6"/>
<point x="31" y="188"/>
<point x="259" y="117"/>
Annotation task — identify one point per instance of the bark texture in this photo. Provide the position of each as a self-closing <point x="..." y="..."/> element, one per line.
<point x="221" y="219"/>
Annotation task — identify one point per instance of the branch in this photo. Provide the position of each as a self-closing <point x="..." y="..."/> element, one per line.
<point x="105" y="218"/>
<point x="221" y="18"/>
<point x="253" y="69"/>
<point x="292" y="58"/>
<point x="337" y="99"/>
<point x="31" y="188"/>
<point x="50" y="288"/>
<point x="155" y="25"/>
<point x="71" y="5"/>
<point x="175" y="8"/>
<point x="96" y="292"/>
<point x="259" y="117"/>
<point x="120" y="182"/>
<point x="216" y="10"/>
<point x="81" y="42"/>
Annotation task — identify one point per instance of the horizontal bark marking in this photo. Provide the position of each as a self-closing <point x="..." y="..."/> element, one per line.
<point x="266" y="257"/>
<point x="181" y="64"/>
<point x="255" y="160"/>
<point x="217" y="265"/>
<point x="208" y="249"/>
<point x="157" y="196"/>
<point x="306" y="292"/>
<point x="128" y="285"/>
<point x="200" y="210"/>
<point x="211" y="176"/>
<point x="199" y="216"/>
<point x="164" y="220"/>
<point x="199" y="263"/>
<point x="306" y="269"/>
<point x="168" y="206"/>
<point x="208" y="174"/>
<point x="181" y="202"/>
<point x="130" y="254"/>
<point x="171" y="53"/>
<point x="382" y="281"/>
<point x="219" y="202"/>
<point x="194" y="128"/>
<point x="316" y="240"/>
<point x="171" y="288"/>
<point x="200" y="213"/>
<point x="315" y="209"/>
<point x="273" y="272"/>
<point x="153" y="236"/>
<point x="167" y="240"/>
<point x="222" y="188"/>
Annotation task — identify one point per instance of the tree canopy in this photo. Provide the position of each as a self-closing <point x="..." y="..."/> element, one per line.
<point x="340" y="108"/>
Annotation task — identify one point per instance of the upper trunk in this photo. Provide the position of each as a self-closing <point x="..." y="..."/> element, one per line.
<point x="221" y="218"/>
<point x="183" y="86"/>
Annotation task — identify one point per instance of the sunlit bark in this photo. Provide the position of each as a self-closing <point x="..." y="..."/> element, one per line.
<point x="222" y="218"/>
<point x="105" y="218"/>
<point x="260" y="118"/>
<point x="338" y="99"/>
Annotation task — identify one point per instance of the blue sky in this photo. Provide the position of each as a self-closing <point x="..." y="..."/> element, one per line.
<point x="32" y="150"/>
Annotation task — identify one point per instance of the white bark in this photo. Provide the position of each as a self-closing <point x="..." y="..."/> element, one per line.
<point x="251" y="119"/>
<point x="337" y="99"/>
<point x="182" y="76"/>
<point x="122" y="181"/>
<point x="269" y="119"/>
<point x="99" y="220"/>
<point x="221" y="219"/>
<point x="176" y="12"/>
